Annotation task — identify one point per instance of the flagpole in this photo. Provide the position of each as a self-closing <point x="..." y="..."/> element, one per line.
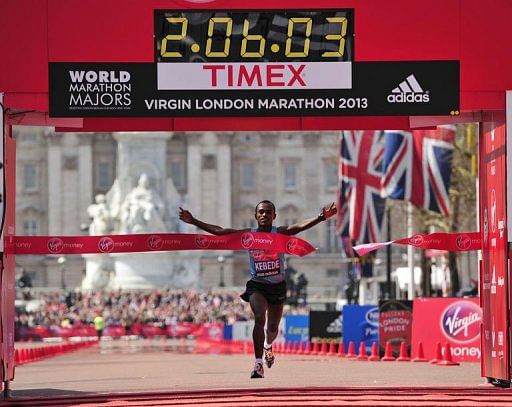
<point x="410" y="253"/>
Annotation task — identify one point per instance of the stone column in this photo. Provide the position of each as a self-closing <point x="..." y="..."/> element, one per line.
<point x="195" y="195"/>
<point x="54" y="184"/>
<point x="85" y="175"/>
<point x="224" y="177"/>
<point x="139" y="153"/>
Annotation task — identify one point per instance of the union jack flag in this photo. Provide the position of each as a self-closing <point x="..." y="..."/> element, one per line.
<point x="417" y="167"/>
<point x="360" y="205"/>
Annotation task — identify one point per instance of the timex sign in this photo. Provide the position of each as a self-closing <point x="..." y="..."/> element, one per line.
<point x="262" y="75"/>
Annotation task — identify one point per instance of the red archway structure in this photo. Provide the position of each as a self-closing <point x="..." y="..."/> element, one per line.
<point x="267" y="65"/>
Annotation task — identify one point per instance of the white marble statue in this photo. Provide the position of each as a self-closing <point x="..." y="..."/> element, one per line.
<point x="142" y="211"/>
<point x="101" y="223"/>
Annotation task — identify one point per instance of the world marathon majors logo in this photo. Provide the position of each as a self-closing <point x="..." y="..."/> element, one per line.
<point x="96" y="89"/>
<point x="460" y="322"/>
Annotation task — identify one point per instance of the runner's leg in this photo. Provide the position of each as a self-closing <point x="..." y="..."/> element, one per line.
<point x="259" y="307"/>
<point x="275" y="312"/>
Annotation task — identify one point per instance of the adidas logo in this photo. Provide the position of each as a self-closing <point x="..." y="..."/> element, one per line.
<point x="409" y="91"/>
<point x="335" y="326"/>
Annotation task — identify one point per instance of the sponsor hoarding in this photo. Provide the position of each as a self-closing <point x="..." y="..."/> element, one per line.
<point x="325" y="326"/>
<point x="447" y="320"/>
<point x="494" y="285"/>
<point x="395" y="324"/>
<point x="360" y="324"/>
<point x="296" y="328"/>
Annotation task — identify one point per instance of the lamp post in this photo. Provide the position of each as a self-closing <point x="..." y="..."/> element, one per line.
<point x="221" y="260"/>
<point x="62" y="261"/>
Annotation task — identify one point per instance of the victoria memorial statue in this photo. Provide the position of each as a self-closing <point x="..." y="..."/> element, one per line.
<point x="142" y="200"/>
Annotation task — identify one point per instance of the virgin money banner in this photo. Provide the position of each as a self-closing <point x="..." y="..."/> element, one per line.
<point x="447" y="320"/>
<point x="272" y="242"/>
<point x="454" y="242"/>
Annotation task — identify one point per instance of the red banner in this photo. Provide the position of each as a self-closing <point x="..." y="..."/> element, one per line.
<point x="273" y="242"/>
<point x="494" y="272"/>
<point x="447" y="320"/>
<point x="212" y="331"/>
<point x="454" y="242"/>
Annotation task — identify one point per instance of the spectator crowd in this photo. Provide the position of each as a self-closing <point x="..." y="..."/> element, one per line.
<point x="126" y="308"/>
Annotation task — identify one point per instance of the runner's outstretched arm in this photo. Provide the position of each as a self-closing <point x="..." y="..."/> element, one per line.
<point x="325" y="213"/>
<point x="187" y="217"/>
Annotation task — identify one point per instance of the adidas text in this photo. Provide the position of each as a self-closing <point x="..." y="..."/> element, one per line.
<point x="408" y="98"/>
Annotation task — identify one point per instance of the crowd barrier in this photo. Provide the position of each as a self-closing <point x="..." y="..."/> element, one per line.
<point x="35" y="353"/>
<point x="214" y="331"/>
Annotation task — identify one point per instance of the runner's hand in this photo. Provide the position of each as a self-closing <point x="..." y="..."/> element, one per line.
<point x="186" y="216"/>
<point x="329" y="211"/>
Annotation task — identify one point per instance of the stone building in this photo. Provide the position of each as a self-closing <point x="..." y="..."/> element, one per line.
<point x="219" y="177"/>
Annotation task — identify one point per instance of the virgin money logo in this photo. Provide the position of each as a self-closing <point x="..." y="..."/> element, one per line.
<point x="291" y="246"/>
<point x="416" y="240"/>
<point x="106" y="244"/>
<point x="460" y="322"/>
<point x="55" y="245"/>
<point x="463" y="242"/>
<point x="247" y="240"/>
<point x="202" y="242"/>
<point x="155" y="242"/>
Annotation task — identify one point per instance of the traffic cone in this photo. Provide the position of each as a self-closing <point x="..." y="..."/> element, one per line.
<point x="323" y="349"/>
<point x="362" y="352"/>
<point x="24" y="355"/>
<point x="351" y="354"/>
<point x="300" y="351"/>
<point x="388" y="353"/>
<point x="341" y="350"/>
<point x="403" y="357"/>
<point x="374" y="357"/>
<point x="420" y="357"/>
<point x="439" y="355"/>
<point x="307" y="348"/>
<point x="332" y="349"/>
<point x="315" y="349"/>
<point x="447" y="357"/>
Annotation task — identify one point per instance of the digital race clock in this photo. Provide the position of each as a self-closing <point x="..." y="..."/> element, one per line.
<point x="254" y="36"/>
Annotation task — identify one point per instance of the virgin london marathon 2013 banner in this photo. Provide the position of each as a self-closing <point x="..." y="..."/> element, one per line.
<point x="253" y="89"/>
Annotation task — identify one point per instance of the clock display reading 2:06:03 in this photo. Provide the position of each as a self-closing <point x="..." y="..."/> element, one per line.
<point x="241" y="36"/>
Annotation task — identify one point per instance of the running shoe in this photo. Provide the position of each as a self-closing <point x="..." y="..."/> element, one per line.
<point x="257" y="373"/>
<point x="269" y="357"/>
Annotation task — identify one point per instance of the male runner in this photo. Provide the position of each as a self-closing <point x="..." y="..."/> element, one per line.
<point x="266" y="290"/>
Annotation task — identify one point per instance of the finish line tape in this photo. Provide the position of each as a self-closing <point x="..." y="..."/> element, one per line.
<point x="271" y="242"/>
<point x="465" y="241"/>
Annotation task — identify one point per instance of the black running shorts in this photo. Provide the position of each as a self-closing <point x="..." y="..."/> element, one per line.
<point x="274" y="293"/>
